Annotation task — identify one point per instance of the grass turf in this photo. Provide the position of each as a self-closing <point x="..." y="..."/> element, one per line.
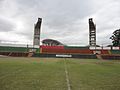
<point x="49" y="74"/>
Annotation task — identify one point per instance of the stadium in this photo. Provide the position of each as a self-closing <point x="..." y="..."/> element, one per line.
<point x="54" y="48"/>
<point x="56" y="66"/>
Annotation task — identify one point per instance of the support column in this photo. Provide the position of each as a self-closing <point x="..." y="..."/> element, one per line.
<point x="37" y="27"/>
<point x="92" y="33"/>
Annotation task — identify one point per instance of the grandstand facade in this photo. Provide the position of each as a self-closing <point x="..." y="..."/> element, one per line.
<point x="54" y="48"/>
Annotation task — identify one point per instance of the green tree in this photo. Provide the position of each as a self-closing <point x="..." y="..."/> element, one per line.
<point x="116" y="38"/>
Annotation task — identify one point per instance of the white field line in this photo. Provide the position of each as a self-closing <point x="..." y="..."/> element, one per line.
<point x="66" y="73"/>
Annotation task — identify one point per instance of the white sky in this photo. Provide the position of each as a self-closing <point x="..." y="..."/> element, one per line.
<point x="63" y="20"/>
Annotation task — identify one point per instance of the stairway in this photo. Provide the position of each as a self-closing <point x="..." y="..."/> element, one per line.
<point x="10" y="54"/>
<point x="30" y="54"/>
<point x="99" y="57"/>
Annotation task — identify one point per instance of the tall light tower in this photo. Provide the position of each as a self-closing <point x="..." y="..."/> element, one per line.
<point x="92" y="33"/>
<point x="37" y="27"/>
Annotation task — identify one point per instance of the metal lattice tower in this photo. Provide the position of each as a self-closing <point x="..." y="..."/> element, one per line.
<point x="92" y="33"/>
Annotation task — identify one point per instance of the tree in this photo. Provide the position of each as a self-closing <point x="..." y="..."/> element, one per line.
<point x="116" y="38"/>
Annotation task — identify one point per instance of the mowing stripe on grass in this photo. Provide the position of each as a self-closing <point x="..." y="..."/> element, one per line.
<point x="66" y="73"/>
<point x="12" y="73"/>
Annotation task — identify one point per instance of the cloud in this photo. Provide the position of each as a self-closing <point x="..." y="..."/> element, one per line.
<point x="107" y="20"/>
<point x="6" y="25"/>
<point x="66" y="21"/>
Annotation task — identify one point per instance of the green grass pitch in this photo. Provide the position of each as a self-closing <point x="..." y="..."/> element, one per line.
<point x="49" y="74"/>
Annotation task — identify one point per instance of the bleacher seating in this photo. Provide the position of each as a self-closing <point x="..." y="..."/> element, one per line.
<point x="104" y="52"/>
<point x="14" y="54"/>
<point x="111" y="57"/>
<point x="17" y="49"/>
<point x="64" y="50"/>
<point x="115" y="52"/>
<point x="13" y="49"/>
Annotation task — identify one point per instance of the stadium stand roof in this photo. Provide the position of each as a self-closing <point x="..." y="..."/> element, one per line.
<point x="51" y="42"/>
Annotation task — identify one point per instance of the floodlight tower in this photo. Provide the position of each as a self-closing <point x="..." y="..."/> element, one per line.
<point x="37" y="27"/>
<point x="92" y="33"/>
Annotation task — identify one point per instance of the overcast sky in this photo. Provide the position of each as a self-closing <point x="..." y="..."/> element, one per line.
<point x="63" y="20"/>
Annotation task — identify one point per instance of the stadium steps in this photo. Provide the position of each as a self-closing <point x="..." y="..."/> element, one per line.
<point x="99" y="57"/>
<point x="30" y="54"/>
<point x="10" y="54"/>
